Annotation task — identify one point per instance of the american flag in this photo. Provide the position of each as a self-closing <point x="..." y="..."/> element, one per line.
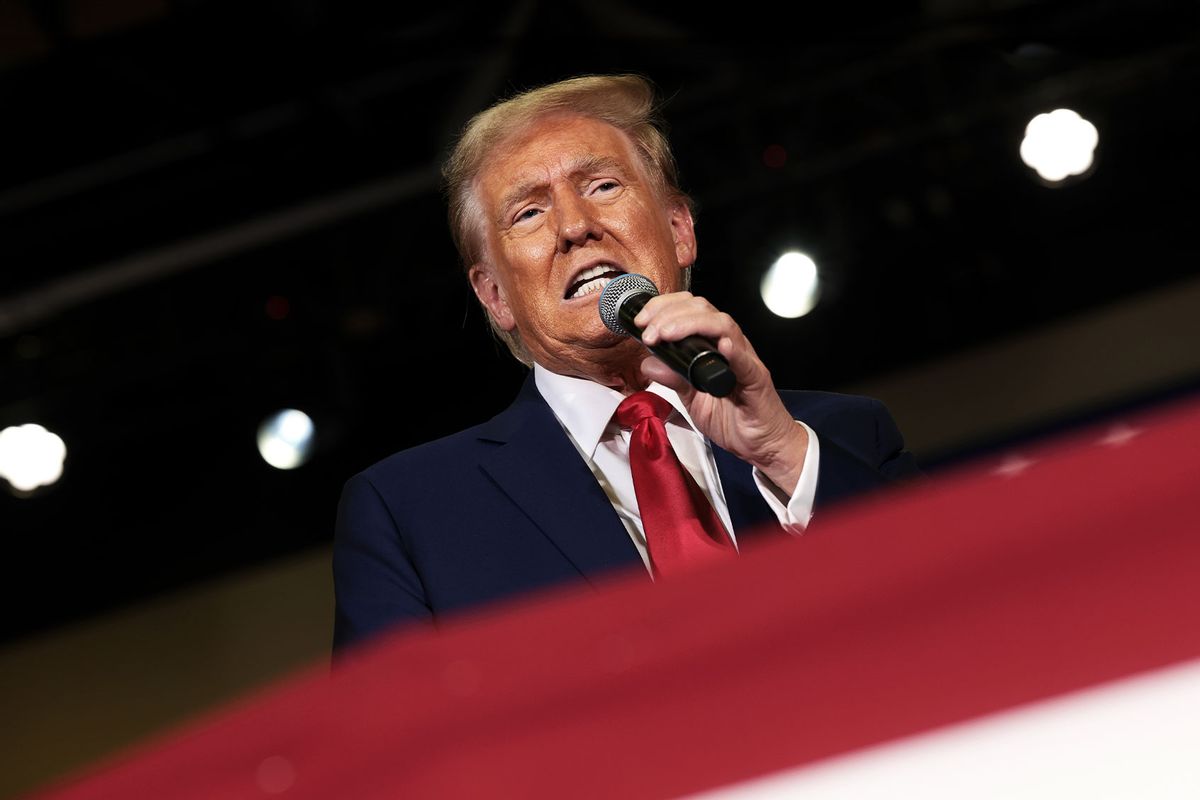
<point x="1028" y="626"/>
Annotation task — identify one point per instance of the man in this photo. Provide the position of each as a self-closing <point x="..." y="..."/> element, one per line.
<point x="552" y="194"/>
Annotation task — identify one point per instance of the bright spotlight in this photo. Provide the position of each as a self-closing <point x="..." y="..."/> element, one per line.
<point x="791" y="287"/>
<point x="31" y="456"/>
<point x="285" y="438"/>
<point x="1059" y="144"/>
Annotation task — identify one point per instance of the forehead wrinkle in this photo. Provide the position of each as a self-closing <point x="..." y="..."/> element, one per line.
<point x="579" y="166"/>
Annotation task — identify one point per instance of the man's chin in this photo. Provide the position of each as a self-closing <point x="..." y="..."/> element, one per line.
<point x="617" y="343"/>
<point x="605" y="350"/>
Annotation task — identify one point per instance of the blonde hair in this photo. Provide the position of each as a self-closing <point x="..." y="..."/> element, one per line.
<point x="627" y="102"/>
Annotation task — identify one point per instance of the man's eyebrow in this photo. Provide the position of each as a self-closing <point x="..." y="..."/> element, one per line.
<point x="517" y="194"/>
<point x="584" y="165"/>
<point x="590" y="164"/>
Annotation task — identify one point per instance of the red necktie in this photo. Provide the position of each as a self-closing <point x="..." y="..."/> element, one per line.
<point x="682" y="528"/>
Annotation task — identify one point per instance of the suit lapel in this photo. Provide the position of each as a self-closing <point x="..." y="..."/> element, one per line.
<point x="541" y="471"/>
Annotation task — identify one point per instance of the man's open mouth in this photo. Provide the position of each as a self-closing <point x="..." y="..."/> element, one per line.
<point x="592" y="280"/>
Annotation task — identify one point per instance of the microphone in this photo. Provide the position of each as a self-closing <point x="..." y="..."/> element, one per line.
<point x="693" y="357"/>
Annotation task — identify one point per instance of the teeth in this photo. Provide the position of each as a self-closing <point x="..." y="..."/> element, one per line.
<point x="591" y="287"/>
<point x="594" y="272"/>
<point x="592" y="280"/>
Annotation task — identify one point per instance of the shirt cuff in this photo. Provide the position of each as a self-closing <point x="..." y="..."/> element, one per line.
<point x="794" y="512"/>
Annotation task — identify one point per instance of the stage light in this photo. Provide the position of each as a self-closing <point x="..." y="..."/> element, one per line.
<point x="1059" y="144"/>
<point x="285" y="438"/>
<point x="791" y="286"/>
<point x="31" y="456"/>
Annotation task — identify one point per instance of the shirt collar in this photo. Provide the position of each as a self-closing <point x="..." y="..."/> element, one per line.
<point x="585" y="407"/>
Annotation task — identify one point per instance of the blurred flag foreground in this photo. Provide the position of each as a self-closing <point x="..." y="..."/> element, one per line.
<point x="1024" y="627"/>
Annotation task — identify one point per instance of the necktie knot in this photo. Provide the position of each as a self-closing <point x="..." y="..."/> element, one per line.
<point x="642" y="406"/>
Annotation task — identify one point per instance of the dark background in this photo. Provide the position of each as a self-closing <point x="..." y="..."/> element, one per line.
<point x="212" y="210"/>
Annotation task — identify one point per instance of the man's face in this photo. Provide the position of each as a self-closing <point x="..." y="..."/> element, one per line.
<point x="567" y="205"/>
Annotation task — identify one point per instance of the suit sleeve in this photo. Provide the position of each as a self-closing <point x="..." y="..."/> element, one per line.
<point x="375" y="583"/>
<point x="896" y="462"/>
<point x="872" y="456"/>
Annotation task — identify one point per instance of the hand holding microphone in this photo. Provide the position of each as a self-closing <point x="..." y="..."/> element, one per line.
<point x="758" y="428"/>
<point x="693" y="357"/>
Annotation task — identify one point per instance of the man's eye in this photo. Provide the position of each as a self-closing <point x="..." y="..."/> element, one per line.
<point x="528" y="213"/>
<point x="606" y="186"/>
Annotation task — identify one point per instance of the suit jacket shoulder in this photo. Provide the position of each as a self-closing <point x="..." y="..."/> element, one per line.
<point x="503" y="507"/>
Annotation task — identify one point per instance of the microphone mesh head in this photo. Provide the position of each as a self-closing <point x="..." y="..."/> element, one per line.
<point x="614" y="295"/>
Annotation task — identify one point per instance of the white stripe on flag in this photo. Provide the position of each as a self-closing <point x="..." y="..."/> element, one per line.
<point x="1135" y="738"/>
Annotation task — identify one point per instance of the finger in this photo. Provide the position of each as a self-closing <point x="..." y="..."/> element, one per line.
<point x="654" y="369"/>
<point x="709" y="324"/>
<point x="744" y="361"/>
<point x="678" y="315"/>
<point x="720" y="329"/>
<point x="669" y="310"/>
<point x="656" y="304"/>
<point x="715" y="326"/>
<point x="697" y="317"/>
<point x="660" y="307"/>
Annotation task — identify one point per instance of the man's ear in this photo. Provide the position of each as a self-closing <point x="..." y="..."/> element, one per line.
<point x="684" y="233"/>
<point x="491" y="295"/>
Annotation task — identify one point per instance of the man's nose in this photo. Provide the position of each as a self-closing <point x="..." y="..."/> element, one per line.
<point x="576" y="221"/>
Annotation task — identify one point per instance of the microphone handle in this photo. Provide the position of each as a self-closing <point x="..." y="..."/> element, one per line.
<point x="693" y="357"/>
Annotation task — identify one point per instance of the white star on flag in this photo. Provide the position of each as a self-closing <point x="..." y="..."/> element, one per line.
<point x="1118" y="435"/>
<point x="1013" y="465"/>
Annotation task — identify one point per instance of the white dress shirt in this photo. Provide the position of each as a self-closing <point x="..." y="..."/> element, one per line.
<point x="585" y="409"/>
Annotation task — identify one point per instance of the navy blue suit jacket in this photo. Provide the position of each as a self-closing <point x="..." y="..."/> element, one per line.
<point x="509" y="506"/>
